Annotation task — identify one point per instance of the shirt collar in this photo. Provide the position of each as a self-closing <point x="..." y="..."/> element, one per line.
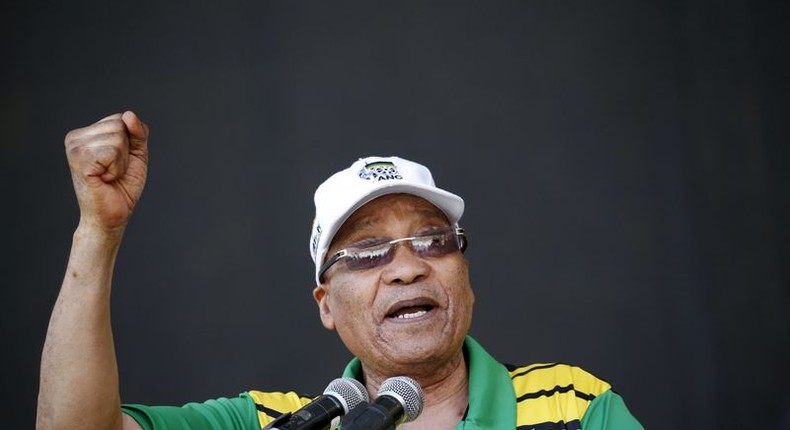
<point x="492" y="400"/>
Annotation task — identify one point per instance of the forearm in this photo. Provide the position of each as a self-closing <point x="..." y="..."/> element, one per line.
<point x="79" y="373"/>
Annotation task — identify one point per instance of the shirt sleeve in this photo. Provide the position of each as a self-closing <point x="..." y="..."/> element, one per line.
<point x="608" y="412"/>
<point x="227" y="414"/>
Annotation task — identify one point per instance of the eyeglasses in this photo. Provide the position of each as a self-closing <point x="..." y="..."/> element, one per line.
<point x="437" y="244"/>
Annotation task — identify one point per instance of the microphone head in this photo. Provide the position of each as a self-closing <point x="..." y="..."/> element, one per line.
<point x="348" y="391"/>
<point x="407" y="391"/>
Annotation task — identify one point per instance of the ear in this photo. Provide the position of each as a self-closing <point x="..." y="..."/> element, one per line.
<point x="321" y="296"/>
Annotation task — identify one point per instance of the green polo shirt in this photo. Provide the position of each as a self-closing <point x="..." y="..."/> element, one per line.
<point x="542" y="396"/>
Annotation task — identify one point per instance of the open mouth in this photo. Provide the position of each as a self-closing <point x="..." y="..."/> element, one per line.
<point x="404" y="311"/>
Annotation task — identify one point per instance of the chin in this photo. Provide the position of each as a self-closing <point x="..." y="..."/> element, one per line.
<point x="419" y="349"/>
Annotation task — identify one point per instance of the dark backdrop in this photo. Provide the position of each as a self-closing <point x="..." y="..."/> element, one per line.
<point x="623" y="164"/>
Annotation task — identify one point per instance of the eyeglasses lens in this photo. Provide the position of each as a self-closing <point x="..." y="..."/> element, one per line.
<point x="427" y="246"/>
<point x="368" y="258"/>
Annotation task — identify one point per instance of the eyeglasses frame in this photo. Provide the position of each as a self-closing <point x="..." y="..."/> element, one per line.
<point x="458" y="232"/>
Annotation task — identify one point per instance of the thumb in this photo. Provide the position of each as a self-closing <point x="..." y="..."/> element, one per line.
<point x="138" y="131"/>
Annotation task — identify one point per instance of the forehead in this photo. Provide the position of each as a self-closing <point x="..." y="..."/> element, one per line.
<point x="386" y="209"/>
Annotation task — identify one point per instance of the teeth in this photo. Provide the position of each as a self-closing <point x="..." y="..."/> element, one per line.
<point x="412" y="315"/>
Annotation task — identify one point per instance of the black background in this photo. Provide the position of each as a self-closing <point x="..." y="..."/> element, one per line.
<point x="624" y="166"/>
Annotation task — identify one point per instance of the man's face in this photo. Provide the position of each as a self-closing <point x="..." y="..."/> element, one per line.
<point x="410" y="312"/>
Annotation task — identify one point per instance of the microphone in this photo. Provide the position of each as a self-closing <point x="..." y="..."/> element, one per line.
<point x="399" y="400"/>
<point x="340" y="396"/>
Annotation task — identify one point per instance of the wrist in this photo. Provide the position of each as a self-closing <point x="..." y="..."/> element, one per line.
<point x="90" y="227"/>
<point x="92" y="259"/>
<point x="95" y="235"/>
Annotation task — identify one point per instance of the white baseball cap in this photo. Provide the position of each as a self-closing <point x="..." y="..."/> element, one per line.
<point x="349" y="189"/>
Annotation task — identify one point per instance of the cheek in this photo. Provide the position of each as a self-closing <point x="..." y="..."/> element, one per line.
<point x="464" y="302"/>
<point x="348" y="305"/>
<point x="342" y="308"/>
<point x="352" y="323"/>
<point x="463" y="294"/>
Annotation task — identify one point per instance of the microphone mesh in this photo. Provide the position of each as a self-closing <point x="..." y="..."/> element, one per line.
<point x="407" y="391"/>
<point x="347" y="391"/>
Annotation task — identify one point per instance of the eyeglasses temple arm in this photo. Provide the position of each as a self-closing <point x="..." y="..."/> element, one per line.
<point x="332" y="260"/>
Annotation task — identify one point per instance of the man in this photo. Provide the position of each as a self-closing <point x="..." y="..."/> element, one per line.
<point x="391" y="279"/>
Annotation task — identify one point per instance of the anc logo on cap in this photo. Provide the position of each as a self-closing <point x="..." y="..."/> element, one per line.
<point x="379" y="171"/>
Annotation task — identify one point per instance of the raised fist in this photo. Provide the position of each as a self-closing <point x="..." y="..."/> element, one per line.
<point x="109" y="163"/>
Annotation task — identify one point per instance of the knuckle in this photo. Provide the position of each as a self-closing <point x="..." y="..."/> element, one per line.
<point x="73" y="152"/>
<point x="95" y="150"/>
<point x="70" y="137"/>
<point x="110" y="126"/>
<point x="98" y="130"/>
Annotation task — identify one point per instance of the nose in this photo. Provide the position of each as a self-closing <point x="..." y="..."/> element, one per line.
<point x="406" y="267"/>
